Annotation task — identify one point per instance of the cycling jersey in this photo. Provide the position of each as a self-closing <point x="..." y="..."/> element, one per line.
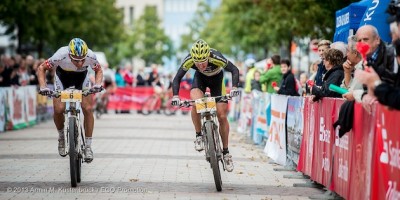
<point x="216" y="64"/>
<point x="67" y="74"/>
<point x="61" y="59"/>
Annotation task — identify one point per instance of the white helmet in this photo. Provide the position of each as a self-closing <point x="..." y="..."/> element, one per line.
<point x="249" y="62"/>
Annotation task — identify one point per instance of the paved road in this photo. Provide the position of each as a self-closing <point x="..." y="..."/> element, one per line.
<point x="137" y="157"/>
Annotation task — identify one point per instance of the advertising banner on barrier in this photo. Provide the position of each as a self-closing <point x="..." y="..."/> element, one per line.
<point x="3" y="101"/>
<point x="306" y="159"/>
<point x="30" y="104"/>
<point x="129" y="98"/>
<point x="361" y="157"/>
<point x="17" y="107"/>
<point x="261" y="127"/>
<point x="244" y="122"/>
<point x="324" y="140"/>
<point x="294" y="123"/>
<point x="258" y="110"/>
<point x="342" y="158"/>
<point x="386" y="156"/>
<point x="276" y="143"/>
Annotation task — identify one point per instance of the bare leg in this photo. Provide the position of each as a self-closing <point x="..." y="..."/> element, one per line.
<point x="58" y="116"/>
<point x="86" y="104"/>
<point x="222" y="109"/>
<point x="196" y="94"/>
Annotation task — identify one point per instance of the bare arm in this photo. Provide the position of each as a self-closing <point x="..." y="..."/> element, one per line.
<point x="41" y="73"/>
<point x="98" y="76"/>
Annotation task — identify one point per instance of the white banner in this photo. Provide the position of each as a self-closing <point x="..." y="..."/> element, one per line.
<point x="276" y="143"/>
<point x="17" y="107"/>
<point x="260" y="116"/>
<point x="30" y="104"/>
<point x="3" y="100"/>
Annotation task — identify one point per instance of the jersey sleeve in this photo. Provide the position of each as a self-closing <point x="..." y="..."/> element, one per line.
<point x="185" y="66"/>
<point x="93" y="62"/>
<point x="56" y="59"/>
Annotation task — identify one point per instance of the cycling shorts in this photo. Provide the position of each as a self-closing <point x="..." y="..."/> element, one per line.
<point x="65" y="79"/>
<point x="214" y="83"/>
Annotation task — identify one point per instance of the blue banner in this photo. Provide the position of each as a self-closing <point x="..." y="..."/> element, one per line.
<point x="376" y="16"/>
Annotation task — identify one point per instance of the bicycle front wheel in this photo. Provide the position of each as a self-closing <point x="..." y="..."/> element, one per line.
<point x="73" y="154"/>
<point x="213" y="155"/>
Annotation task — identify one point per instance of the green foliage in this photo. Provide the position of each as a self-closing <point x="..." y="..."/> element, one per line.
<point x="261" y="26"/>
<point x="149" y="39"/>
<point x="49" y="24"/>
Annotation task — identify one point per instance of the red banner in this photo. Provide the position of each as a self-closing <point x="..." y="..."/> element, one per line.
<point x="386" y="155"/>
<point x="311" y="111"/>
<point x="129" y="98"/>
<point x="305" y="157"/>
<point x="362" y="146"/>
<point x="341" y="158"/>
<point x="324" y="140"/>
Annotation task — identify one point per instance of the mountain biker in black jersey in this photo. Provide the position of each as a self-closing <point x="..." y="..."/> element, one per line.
<point x="209" y="65"/>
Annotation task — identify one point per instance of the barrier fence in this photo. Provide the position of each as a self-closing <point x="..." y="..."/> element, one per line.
<point x="363" y="164"/>
<point x="21" y="107"/>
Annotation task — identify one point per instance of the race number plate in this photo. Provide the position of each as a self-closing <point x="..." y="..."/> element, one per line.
<point x="71" y="96"/>
<point x="207" y="104"/>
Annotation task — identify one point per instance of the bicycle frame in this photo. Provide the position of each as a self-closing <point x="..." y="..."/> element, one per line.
<point x="72" y="111"/>
<point x="211" y="117"/>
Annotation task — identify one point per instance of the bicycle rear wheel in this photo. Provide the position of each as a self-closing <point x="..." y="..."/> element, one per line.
<point x="73" y="165"/>
<point x="213" y="155"/>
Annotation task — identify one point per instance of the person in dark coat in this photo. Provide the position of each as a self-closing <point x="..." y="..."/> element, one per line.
<point x="288" y="82"/>
<point x="333" y="61"/>
<point x="255" y="83"/>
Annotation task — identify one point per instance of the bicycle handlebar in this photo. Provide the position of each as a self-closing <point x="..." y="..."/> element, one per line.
<point x="188" y="103"/>
<point x="57" y="93"/>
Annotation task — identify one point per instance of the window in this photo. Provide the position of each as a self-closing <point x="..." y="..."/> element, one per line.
<point x="131" y="15"/>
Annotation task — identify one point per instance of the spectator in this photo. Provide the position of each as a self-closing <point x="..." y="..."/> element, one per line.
<point x="128" y="76"/>
<point x="288" y="83"/>
<point x="314" y="69"/>
<point x="255" y="83"/>
<point x="380" y="57"/>
<point x="23" y="74"/>
<point x="249" y="64"/>
<point x="33" y="79"/>
<point x="119" y="79"/>
<point x="5" y="75"/>
<point x="303" y="82"/>
<point x="386" y="93"/>
<point x="333" y="63"/>
<point x="323" y="45"/>
<point x="353" y="62"/>
<point x="141" y="78"/>
<point x="272" y="75"/>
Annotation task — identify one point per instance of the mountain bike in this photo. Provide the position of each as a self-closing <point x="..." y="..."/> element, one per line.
<point x="74" y="134"/>
<point x="207" y="108"/>
<point x="156" y="103"/>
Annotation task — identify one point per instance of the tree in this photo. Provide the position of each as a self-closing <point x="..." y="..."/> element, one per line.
<point x="196" y="26"/>
<point x="258" y="26"/>
<point x="149" y="39"/>
<point x="52" y="23"/>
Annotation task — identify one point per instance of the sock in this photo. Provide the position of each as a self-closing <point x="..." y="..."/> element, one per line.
<point x="225" y="151"/>
<point x="61" y="134"/>
<point x="198" y="134"/>
<point x="88" y="141"/>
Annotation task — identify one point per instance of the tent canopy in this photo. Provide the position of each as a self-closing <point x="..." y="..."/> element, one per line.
<point x="348" y="20"/>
